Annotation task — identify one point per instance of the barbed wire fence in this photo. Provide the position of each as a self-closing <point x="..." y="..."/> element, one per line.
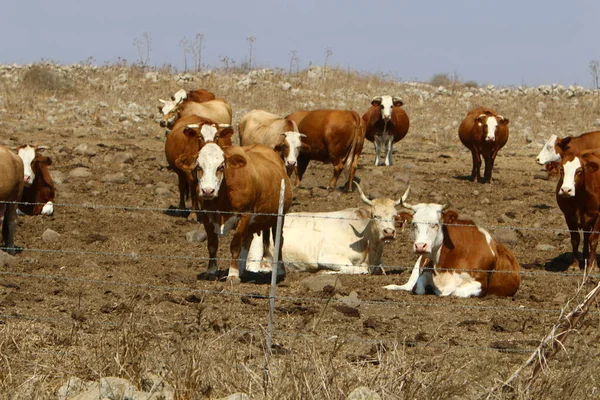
<point x="559" y="312"/>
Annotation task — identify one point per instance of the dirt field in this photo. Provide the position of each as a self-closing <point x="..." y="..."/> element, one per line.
<point x="117" y="293"/>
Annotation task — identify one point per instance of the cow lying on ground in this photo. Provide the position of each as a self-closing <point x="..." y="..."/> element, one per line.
<point x="464" y="259"/>
<point x="334" y="136"/>
<point x="387" y="123"/>
<point x="11" y="189"/>
<point x="484" y="132"/>
<point x="39" y="191"/>
<point x="188" y="136"/>
<point x="216" y="110"/>
<point x="578" y="197"/>
<point x="238" y="184"/>
<point x="348" y="241"/>
<point x="271" y="130"/>
<point x="553" y="149"/>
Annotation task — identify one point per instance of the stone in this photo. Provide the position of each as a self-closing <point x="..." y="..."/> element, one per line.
<point x="118" y="177"/>
<point x="196" y="236"/>
<point x="162" y="192"/>
<point x="57" y="176"/>
<point x="6" y="260"/>
<point x="351" y="300"/>
<point x="80" y="172"/>
<point x="84" y="150"/>
<point x="71" y="388"/>
<point x="363" y="393"/>
<point x="123" y="157"/>
<point x="506" y="236"/>
<point x="50" y="236"/>
<point x="318" y="282"/>
<point x="545" y="247"/>
<point x="236" y="396"/>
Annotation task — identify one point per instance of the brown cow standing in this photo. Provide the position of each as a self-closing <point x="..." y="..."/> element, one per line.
<point x="465" y="260"/>
<point x="238" y="184"/>
<point x="334" y="136"/>
<point x="199" y="95"/>
<point x="553" y="149"/>
<point x="578" y="197"/>
<point x="387" y="123"/>
<point x="39" y="191"/>
<point x="11" y="189"/>
<point x="188" y="136"/>
<point x="216" y="110"/>
<point x="484" y="132"/>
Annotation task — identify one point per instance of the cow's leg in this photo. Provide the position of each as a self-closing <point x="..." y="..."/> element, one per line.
<point x="412" y="280"/>
<point x="476" y="171"/>
<point x="389" y="143"/>
<point x="489" y="166"/>
<point x="377" y="144"/>
<point x="183" y="189"/>
<point x="302" y="165"/>
<point x="337" y="170"/>
<point x="241" y="238"/>
<point x="8" y="228"/>
<point x="212" y="241"/>
<point x="281" y="267"/>
<point x="193" y="187"/>
<point x="575" y="238"/>
<point x="297" y="180"/>
<point x="593" y="243"/>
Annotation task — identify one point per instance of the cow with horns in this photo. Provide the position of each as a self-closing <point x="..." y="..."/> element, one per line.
<point x="387" y="123"/>
<point x="484" y="132"/>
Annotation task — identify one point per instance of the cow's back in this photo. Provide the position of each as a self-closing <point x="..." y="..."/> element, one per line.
<point x="11" y="178"/>
<point x="262" y="127"/>
<point x="583" y="142"/>
<point x="506" y="278"/>
<point x="200" y="95"/>
<point x="216" y="110"/>
<point x="256" y="186"/>
<point x="330" y="132"/>
<point x="297" y="117"/>
<point x="401" y="123"/>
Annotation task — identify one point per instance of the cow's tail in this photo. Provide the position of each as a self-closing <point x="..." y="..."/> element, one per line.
<point x="351" y="155"/>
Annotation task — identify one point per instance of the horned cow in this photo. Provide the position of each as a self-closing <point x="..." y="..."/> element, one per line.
<point x="386" y="124"/>
<point x="11" y="189"/>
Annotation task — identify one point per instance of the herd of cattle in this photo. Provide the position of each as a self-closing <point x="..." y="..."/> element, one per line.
<point x="238" y="188"/>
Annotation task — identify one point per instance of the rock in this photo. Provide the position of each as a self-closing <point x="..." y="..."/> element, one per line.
<point x="119" y="178"/>
<point x="57" y="176"/>
<point x="123" y="157"/>
<point x="50" y="236"/>
<point x="80" y="172"/>
<point x="506" y="236"/>
<point x="71" y="388"/>
<point x="545" y="247"/>
<point x="153" y="383"/>
<point x="236" y="396"/>
<point x="198" y="236"/>
<point x="162" y="192"/>
<point x="351" y="300"/>
<point x="363" y="393"/>
<point x="6" y="260"/>
<point x="505" y="218"/>
<point x="319" y="192"/>
<point x="286" y="86"/>
<point x="89" y="264"/>
<point x="318" y="282"/>
<point x="85" y="150"/>
<point x="402" y="176"/>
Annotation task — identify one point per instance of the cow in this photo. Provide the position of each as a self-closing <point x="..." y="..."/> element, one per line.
<point x="463" y="259"/>
<point x="39" y="191"/>
<point x="297" y="116"/>
<point x="578" y="197"/>
<point x="484" y="132"/>
<point x="216" y="110"/>
<point x="238" y="185"/>
<point x="188" y="136"/>
<point x="334" y="136"/>
<point x="553" y="149"/>
<point x="348" y="241"/>
<point x="386" y="123"/>
<point x="11" y="189"/>
<point x="271" y="130"/>
<point x="198" y="96"/>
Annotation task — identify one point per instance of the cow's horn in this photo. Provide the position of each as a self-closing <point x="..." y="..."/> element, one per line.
<point x="224" y="126"/>
<point x="500" y="118"/>
<point x="482" y="115"/>
<point x="193" y="126"/>
<point x="362" y="195"/>
<point x="402" y="200"/>
<point x="377" y="99"/>
<point x="396" y="98"/>
<point x="162" y="101"/>
<point x="42" y="147"/>
<point x="302" y="135"/>
<point x="446" y="205"/>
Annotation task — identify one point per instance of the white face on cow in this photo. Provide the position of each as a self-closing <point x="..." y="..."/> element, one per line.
<point x="168" y="106"/>
<point x="427" y="228"/>
<point x="386" y="107"/>
<point x="210" y="166"/>
<point x="492" y="124"/>
<point x="383" y="212"/>
<point x="27" y="154"/>
<point x="571" y="170"/>
<point x="548" y="152"/>
<point x="179" y="96"/>
<point x="294" y="142"/>
<point x="208" y="132"/>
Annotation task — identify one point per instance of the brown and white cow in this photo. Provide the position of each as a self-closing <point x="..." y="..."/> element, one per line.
<point x="11" y="189"/>
<point x="387" y="123"/>
<point x="216" y="110"/>
<point x="271" y="130"/>
<point x="578" y="197"/>
<point x="484" y="132"/>
<point x="465" y="261"/>
<point x="554" y="148"/>
<point x="238" y="185"/>
<point x="39" y="191"/>
<point x="334" y="136"/>
<point x="188" y="136"/>
<point x="198" y="96"/>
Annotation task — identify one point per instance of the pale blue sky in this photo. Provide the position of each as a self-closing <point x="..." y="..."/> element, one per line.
<point x="499" y="42"/>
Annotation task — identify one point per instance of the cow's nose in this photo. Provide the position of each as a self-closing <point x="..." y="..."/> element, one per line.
<point x="388" y="232"/>
<point x="291" y="163"/>
<point x="163" y="123"/>
<point x="208" y="192"/>
<point x="565" y="190"/>
<point x="420" y="247"/>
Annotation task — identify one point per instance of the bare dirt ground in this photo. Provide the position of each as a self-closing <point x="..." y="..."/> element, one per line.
<point x="117" y="293"/>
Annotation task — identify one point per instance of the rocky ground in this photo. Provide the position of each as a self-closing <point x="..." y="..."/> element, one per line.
<point x="108" y="285"/>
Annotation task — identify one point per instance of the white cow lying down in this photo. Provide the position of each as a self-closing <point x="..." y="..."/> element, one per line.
<point x="348" y="241"/>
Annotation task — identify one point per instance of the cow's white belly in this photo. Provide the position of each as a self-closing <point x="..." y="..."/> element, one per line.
<point x="457" y="284"/>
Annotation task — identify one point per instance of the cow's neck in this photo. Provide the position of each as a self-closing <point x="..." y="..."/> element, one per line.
<point x="373" y="245"/>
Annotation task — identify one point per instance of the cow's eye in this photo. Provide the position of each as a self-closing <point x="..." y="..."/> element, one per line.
<point x="221" y="167"/>
<point x="433" y="226"/>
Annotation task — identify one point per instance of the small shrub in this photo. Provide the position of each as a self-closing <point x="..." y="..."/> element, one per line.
<point x="440" y="80"/>
<point x="42" y="77"/>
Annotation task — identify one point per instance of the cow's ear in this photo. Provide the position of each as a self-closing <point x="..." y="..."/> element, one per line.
<point x="46" y="160"/>
<point x="224" y="133"/>
<point x="398" y="103"/>
<point x="236" y="161"/>
<point x="563" y="143"/>
<point x="591" y="166"/>
<point x="187" y="162"/>
<point x="403" y="218"/>
<point x="304" y="148"/>
<point x="504" y="121"/>
<point x="449" y="217"/>
<point x="190" y="132"/>
<point x="159" y="109"/>
<point x="482" y="118"/>
<point x="279" y="146"/>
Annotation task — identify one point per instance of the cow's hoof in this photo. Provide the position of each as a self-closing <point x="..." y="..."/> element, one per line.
<point x="234" y="280"/>
<point x="192" y="217"/>
<point x="207" y="276"/>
